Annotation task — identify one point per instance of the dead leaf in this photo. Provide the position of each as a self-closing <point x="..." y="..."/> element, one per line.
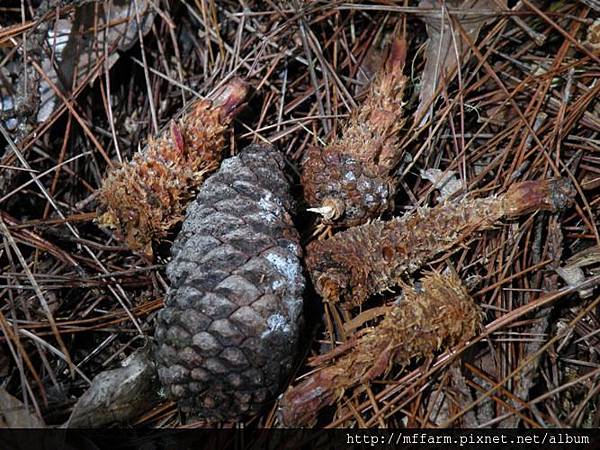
<point x="68" y="47"/>
<point x="445" y="42"/>
<point x="14" y="414"/>
<point x="75" y="44"/>
<point x="446" y="182"/>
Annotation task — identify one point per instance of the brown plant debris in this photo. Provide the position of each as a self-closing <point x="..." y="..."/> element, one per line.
<point x="436" y="317"/>
<point x="350" y="180"/>
<point x="592" y="41"/>
<point x="142" y="199"/>
<point x="446" y="45"/>
<point x="572" y="272"/>
<point x="228" y="334"/>
<point x="357" y="263"/>
<point x="14" y="414"/>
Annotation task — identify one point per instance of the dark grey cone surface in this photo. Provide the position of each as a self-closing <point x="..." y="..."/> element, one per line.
<point x="228" y="335"/>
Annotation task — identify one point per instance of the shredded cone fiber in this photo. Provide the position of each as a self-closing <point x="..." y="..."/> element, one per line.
<point x="426" y="321"/>
<point x="143" y="198"/>
<point x="369" y="259"/>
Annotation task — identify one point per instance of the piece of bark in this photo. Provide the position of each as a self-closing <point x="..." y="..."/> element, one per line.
<point x="366" y="260"/>
<point x="144" y="198"/>
<point x="350" y="180"/>
<point x="440" y="315"/>
<point x="118" y="395"/>
<point x="14" y="414"/>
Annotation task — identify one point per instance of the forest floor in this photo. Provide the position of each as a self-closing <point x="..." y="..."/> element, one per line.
<point x="495" y="93"/>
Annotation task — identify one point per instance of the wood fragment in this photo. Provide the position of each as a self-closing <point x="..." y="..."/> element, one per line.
<point x="118" y="395"/>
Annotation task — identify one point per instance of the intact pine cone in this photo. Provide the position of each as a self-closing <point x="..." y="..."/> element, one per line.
<point x="227" y="337"/>
<point x="350" y="180"/>
<point x="143" y="198"/>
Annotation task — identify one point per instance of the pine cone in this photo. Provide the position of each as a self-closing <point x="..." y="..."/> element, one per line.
<point x="350" y="180"/>
<point x="142" y="199"/>
<point x="440" y="315"/>
<point x="369" y="259"/>
<point x="227" y="337"/>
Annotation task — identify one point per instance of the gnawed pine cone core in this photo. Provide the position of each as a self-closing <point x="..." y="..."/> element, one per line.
<point x="350" y="181"/>
<point x="228" y="334"/>
<point x="369" y="259"/>
<point x="144" y="198"/>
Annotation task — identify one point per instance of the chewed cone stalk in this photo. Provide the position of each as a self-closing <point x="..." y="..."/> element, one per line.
<point x="142" y="199"/>
<point x="436" y="317"/>
<point x="350" y="180"/>
<point x="369" y="259"/>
